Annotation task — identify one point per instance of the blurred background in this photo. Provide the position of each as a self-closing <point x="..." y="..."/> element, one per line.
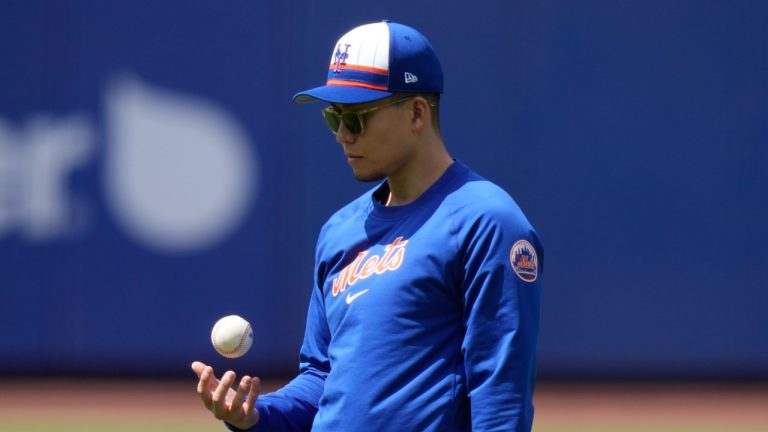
<point x="155" y="175"/>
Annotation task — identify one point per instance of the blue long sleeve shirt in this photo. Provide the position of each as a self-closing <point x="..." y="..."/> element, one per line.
<point x="423" y="317"/>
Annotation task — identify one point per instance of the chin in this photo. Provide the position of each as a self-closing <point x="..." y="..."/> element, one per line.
<point x="367" y="177"/>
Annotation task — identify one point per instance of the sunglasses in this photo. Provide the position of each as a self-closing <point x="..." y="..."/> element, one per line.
<point x="353" y="120"/>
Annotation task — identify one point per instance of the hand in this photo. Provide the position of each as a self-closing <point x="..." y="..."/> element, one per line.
<point x="236" y="407"/>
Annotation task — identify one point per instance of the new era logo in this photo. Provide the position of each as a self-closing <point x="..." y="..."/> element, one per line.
<point x="410" y="78"/>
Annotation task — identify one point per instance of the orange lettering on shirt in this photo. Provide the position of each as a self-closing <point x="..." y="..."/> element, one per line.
<point x="394" y="255"/>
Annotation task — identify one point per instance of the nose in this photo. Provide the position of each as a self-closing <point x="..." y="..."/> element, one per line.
<point x="344" y="135"/>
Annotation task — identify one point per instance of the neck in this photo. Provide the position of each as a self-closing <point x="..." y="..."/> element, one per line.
<point x="422" y="172"/>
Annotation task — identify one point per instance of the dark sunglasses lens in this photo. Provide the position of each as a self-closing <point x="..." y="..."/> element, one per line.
<point x="332" y="120"/>
<point x="352" y="122"/>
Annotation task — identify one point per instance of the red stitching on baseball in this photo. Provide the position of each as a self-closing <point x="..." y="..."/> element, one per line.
<point x="239" y="345"/>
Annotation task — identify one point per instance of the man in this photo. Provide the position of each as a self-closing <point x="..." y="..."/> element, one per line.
<point x="424" y="315"/>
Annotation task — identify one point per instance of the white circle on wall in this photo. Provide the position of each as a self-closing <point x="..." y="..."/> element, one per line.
<point x="180" y="171"/>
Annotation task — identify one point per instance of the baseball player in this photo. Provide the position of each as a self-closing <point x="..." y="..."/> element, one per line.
<point x="424" y="314"/>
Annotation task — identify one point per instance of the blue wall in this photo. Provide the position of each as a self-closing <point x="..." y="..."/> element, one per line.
<point x="155" y="175"/>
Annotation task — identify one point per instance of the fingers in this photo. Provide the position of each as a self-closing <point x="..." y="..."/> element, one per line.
<point x="206" y="384"/>
<point x="242" y="389"/>
<point x="243" y="413"/>
<point x="198" y="367"/>
<point x="254" y="388"/>
<point x="235" y="405"/>
<point x="219" y="398"/>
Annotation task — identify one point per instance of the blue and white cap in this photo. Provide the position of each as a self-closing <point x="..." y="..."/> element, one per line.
<point x="375" y="61"/>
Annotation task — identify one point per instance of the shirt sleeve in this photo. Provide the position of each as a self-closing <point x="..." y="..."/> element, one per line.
<point x="503" y="260"/>
<point x="293" y="407"/>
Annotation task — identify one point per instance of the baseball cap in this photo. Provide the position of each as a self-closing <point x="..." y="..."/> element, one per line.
<point x="376" y="60"/>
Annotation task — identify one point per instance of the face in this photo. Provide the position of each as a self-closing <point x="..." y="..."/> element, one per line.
<point x="385" y="146"/>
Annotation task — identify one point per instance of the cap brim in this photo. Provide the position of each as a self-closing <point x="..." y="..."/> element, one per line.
<point x="340" y="95"/>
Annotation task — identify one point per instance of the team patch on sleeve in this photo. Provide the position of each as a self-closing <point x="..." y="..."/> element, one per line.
<point x="524" y="261"/>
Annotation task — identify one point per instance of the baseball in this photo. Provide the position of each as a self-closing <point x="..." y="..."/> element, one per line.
<point x="232" y="336"/>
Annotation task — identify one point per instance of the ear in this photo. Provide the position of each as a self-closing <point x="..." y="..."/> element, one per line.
<point x="421" y="115"/>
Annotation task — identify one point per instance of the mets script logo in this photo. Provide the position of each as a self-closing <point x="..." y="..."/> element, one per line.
<point x="365" y="266"/>
<point x="524" y="260"/>
<point x="340" y="58"/>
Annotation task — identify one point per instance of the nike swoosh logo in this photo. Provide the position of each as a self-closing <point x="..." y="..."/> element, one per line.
<point x="352" y="297"/>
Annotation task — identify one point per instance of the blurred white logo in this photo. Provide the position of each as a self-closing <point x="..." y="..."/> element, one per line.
<point x="36" y="162"/>
<point x="179" y="171"/>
